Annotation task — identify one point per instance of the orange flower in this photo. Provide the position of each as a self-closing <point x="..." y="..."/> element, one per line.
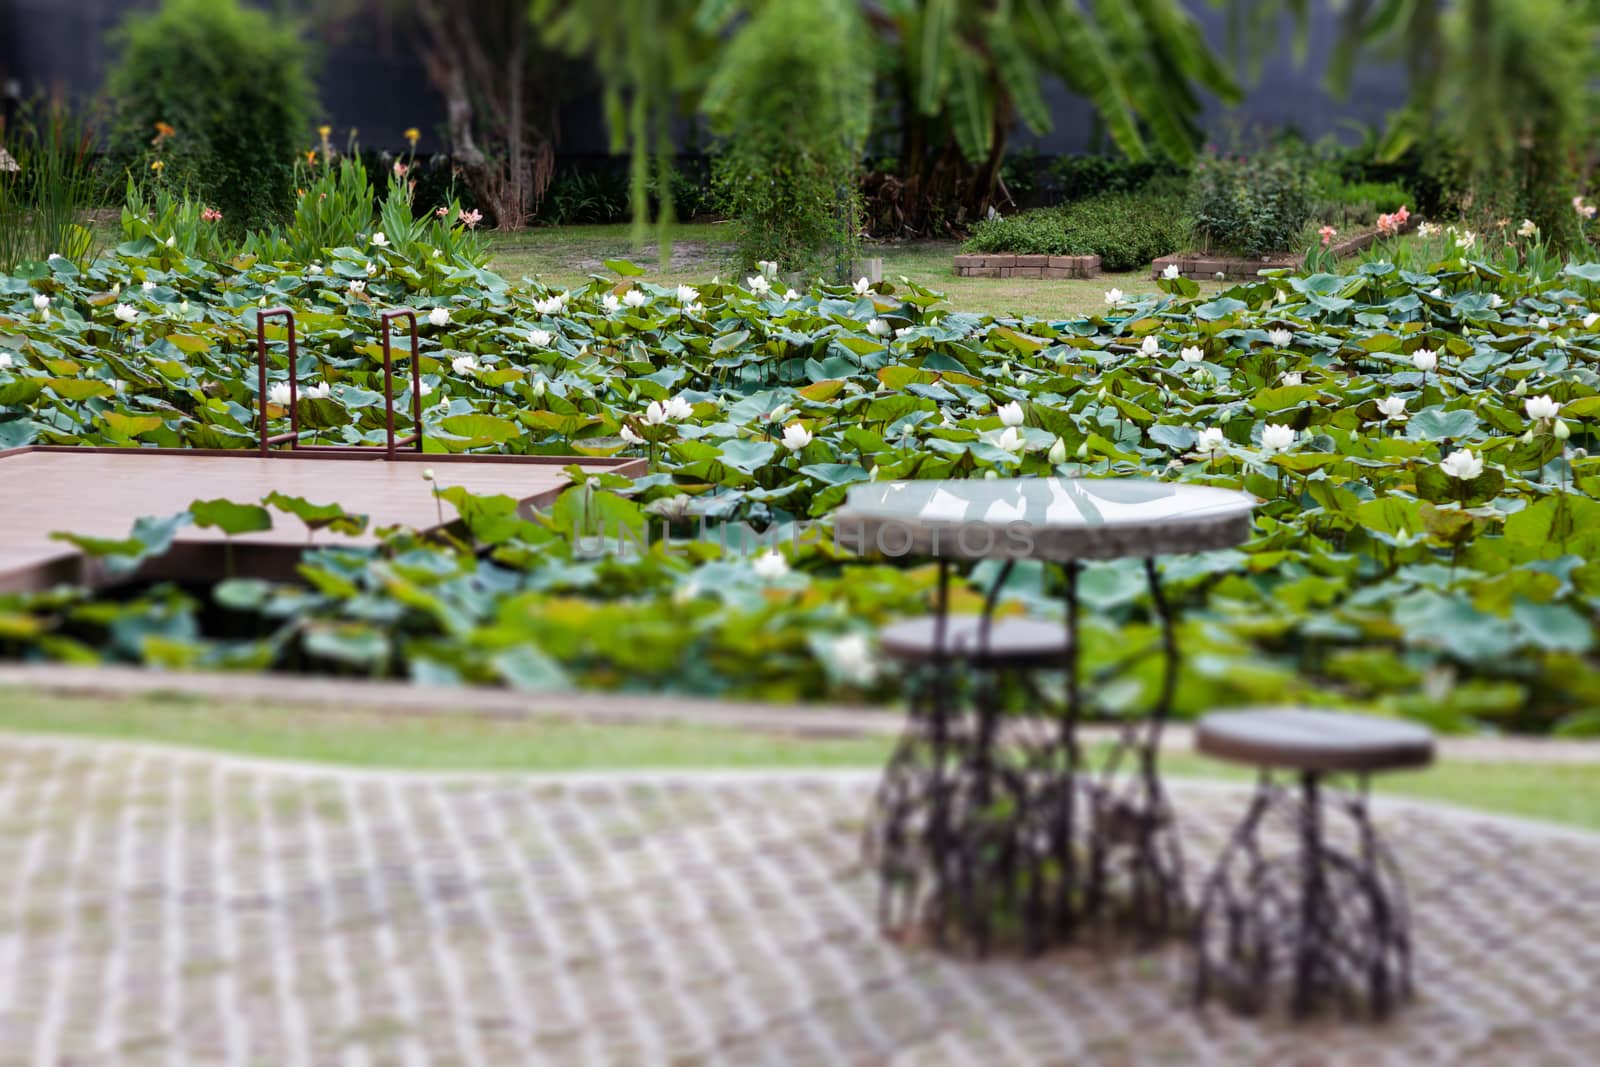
<point x="163" y="131"/>
<point x="311" y="157"/>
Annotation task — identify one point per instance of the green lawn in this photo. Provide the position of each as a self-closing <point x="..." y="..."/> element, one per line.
<point x="1561" y="793"/>
<point x="567" y="255"/>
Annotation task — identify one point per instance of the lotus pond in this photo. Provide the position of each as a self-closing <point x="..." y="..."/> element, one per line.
<point x="1426" y="543"/>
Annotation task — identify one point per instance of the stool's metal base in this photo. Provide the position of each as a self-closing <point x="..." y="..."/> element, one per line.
<point x="990" y="829"/>
<point x="1323" y="924"/>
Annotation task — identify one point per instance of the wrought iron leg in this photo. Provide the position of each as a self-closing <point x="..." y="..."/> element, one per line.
<point x="1330" y="911"/>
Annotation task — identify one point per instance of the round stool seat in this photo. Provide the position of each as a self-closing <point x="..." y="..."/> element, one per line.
<point x="1011" y="642"/>
<point x="1303" y="739"/>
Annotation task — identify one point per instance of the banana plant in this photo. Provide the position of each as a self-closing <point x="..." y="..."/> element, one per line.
<point x="963" y="73"/>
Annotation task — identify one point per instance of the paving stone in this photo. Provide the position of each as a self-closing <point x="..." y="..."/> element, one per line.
<point x="164" y="907"/>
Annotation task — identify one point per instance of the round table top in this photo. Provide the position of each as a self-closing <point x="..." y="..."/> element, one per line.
<point x="1040" y="518"/>
<point x="1306" y="739"/>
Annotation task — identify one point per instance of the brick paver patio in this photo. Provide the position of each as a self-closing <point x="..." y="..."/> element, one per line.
<point x="162" y="907"/>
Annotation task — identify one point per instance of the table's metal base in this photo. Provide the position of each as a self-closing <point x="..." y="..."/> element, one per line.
<point x="1324" y="924"/>
<point x="989" y="829"/>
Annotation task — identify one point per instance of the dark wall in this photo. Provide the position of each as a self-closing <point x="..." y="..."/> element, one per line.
<point x="370" y="80"/>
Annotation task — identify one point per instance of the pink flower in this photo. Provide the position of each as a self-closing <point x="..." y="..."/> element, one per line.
<point x="1402" y="215"/>
<point x="1328" y="233"/>
<point x="442" y="212"/>
<point x="211" y="215"/>
<point x="1586" y="210"/>
<point x="472" y="218"/>
<point x="399" y="169"/>
<point x="1388" y="225"/>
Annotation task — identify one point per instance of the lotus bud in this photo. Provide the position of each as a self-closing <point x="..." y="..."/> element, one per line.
<point x="1562" y="430"/>
<point x="1083" y="450"/>
<point x="1527" y="438"/>
<point x="1521" y="389"/>
<point x="990" y="475"/>
<point x="1058" y="453"/>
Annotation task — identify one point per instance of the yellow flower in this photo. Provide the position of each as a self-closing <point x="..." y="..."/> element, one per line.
<point x="413" y="135"/>
<point x="158" y="166"/>
<point x="324" y="130"/>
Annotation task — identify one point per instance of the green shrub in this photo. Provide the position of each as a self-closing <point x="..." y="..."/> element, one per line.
<point x="1080" y="177"/>
<point x="1032" y="233"/>
<point x="1126" y="230"/>
<point x="792" y="101"/>
<point x="1251" y="205"/>
<point x="231" y="85"/>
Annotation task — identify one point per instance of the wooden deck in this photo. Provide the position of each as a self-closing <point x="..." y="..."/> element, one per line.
<point x="100" y="492"/>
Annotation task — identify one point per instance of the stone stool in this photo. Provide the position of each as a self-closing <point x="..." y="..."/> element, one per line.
<point x="961" y="819"/>
<point x="1324" y="921"/>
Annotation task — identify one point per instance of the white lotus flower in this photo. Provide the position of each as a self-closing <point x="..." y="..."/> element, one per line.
<point x="1392" y="408"/>
<point x="423" y="388"/>
<point x="1541" y="407"/>
<point x="770" y="565"/>
<point x="1151" y="345"/>
<point x="148" y="287"/>
<point x="1057" y="454"/>
<point x="370" y="269"/>
<point x="863" y="286"/>
<point x="1011" y="439"/>
<point x="1114" y="296"/>
<point x="1279" y="338"/>
<point x="1590" y="319"/>
<point x="314" y="269"/>
<point x="1544" y="322"/>
<point x="1462" y="464"/>
<point x="635" y="298"/>
<point x="358" y="287"/>
<point x="655" y="414"/>
<point x="1010" y="414"/>
<point x="796" y="437"/>
<point x="540" y="338"/>
<point x="1437" y="291"/>
<point x="902" y="331"/>
<point x="439" y="316"/>
<point x="318" y="390"/>
<point x="1425" y="359"/>
<point x="610" y="303"/>
<point x="1292" y="377"/>
<point x="1191" y="354"/>
<point x="629" y="436"/>
<point x="758" y="285"/>
<point x="678" y="408"/>
<point x="1496" y="300"/>
<point x="40" y="302"/>
<point x="549" y="306"/>
<point x="688" y="294"/>
<point x="1276" y="437"/>
<point x="790" y="295"/>
<point x="1211" y="438"/>
<point x="1170" y="271"/>
<point x="379" y="239"/>
<point x="464" y="364"/>
<point x="694" y="309"/>
<point x="852" y="658"/>
<point x="768" y="268"/>
<point x="278" y="393"/>
<point x="5" y="360"/>
<point x="879" y="328"/>
<point x="125" y="312"/>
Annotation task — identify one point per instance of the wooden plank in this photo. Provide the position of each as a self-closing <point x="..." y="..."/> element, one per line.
<point x="101" y="492"/>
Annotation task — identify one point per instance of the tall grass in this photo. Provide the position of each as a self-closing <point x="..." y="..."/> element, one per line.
<point x="42" y="202"/>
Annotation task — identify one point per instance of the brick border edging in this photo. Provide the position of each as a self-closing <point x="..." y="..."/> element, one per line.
<point x="1204" y="267"/>
<point x="405" y="699"/>
<point x="1006" y="265"/>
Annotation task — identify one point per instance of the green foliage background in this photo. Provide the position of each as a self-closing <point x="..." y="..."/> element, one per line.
<point x="233" y="83"/>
